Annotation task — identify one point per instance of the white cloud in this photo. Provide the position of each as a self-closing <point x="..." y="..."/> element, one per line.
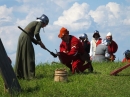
<point x="22" y="9"/>
<point x="62" y="3"/>
<point x="75" y="18"/>
<point x="31" y="16"/>
<point x="25" y="1"/>
<point x="111" y="15"/>
<point x="114" y="9"/>
<point x="107" y="15"/>
<point x="9" y="36"/>
<point x="126" y="15"/>
<point x="5" y="14"/>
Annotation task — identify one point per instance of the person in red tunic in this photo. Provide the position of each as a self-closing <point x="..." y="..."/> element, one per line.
<point x="71" y="50"/>
<point x="112" y="48"/>
<point x="127" y="56"/>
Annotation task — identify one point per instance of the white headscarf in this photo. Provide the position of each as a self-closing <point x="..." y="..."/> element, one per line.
<point x="109" y="34"/>
<point x="38" y="20"/>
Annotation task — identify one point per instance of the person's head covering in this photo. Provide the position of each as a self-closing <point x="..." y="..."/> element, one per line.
<point x="96" y="32"/>
<point x="63" y="31"/>
<point x="109" y="34"/>
<point x="83" y="36"/>
<point x="44" y="19"/>
<point x="127" y="53"/>
<point x="106" y="41"/>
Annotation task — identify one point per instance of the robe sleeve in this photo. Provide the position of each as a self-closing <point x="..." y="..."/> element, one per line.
<point x="107" y="55"/>
<point x="37" y="30"/>
<point x="91" y="48"/>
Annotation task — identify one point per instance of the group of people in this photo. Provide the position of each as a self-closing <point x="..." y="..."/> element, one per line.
<point x="76" y="53"/>
<point x="103" y="49"/>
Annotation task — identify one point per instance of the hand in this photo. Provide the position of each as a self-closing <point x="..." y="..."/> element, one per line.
<point x="65" y="51"/>
<point x="112" y="57"/>
<point x="91" y="58"/>
<point x="53" y="54"/>
<point x="58" y="53"/>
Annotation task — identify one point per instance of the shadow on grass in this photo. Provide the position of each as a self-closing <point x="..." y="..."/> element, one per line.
<point x="95" y="72"/>
<point x="39" y="76"/>
<point x="31" y="89"/>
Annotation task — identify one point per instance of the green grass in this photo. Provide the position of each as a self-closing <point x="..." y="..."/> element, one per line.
<point x="97" y="84"/>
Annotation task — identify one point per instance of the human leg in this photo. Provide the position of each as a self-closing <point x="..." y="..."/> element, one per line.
<point x="77" y="66"/>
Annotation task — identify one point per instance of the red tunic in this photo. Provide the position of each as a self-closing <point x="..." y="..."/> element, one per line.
<point x="99" y="41"/>
<point x="72" y="47"/>
<point x="112" y="48"/>
<point x="69" y="55"/>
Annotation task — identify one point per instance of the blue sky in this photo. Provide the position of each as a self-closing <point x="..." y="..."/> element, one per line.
<point x="78" y="16"/>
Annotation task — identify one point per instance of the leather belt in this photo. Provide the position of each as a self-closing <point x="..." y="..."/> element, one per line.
<point x="99" y="54"/>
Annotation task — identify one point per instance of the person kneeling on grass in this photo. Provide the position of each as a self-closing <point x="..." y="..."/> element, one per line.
<point x="127" y="56"/>
<point x="72" y="53"/>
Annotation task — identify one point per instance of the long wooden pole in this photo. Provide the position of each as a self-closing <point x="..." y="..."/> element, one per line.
<point x="119" y="69"/>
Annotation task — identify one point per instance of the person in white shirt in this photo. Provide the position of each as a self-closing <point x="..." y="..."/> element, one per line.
<point x="96" y="40"/>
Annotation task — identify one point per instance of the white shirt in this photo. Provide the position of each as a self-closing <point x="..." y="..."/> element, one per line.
<point x="93" y="46"/>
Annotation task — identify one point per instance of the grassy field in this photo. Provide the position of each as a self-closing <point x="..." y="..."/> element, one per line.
<point x="97" y="84"/>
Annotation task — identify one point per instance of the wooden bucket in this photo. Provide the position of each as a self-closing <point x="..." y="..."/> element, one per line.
<point x="60" y="75"/>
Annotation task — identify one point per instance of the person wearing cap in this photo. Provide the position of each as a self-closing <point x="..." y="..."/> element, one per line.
<point x="86" y="44"/>
<point x="25" y="56"/>
<point x="70" y="53"/>
<point x="96" y="40"/>
<point x="102" y="53"/>
<point x="113" y="47"/>
<point x="126" y="59"/>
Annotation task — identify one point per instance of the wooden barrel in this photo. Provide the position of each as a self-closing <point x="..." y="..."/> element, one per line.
<point x="60" y="75"/>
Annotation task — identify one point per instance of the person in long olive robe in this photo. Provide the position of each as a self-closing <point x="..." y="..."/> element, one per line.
<point x="25" y="56"/>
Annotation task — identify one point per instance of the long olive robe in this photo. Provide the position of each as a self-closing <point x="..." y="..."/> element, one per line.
<point x="25" y="57"/>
